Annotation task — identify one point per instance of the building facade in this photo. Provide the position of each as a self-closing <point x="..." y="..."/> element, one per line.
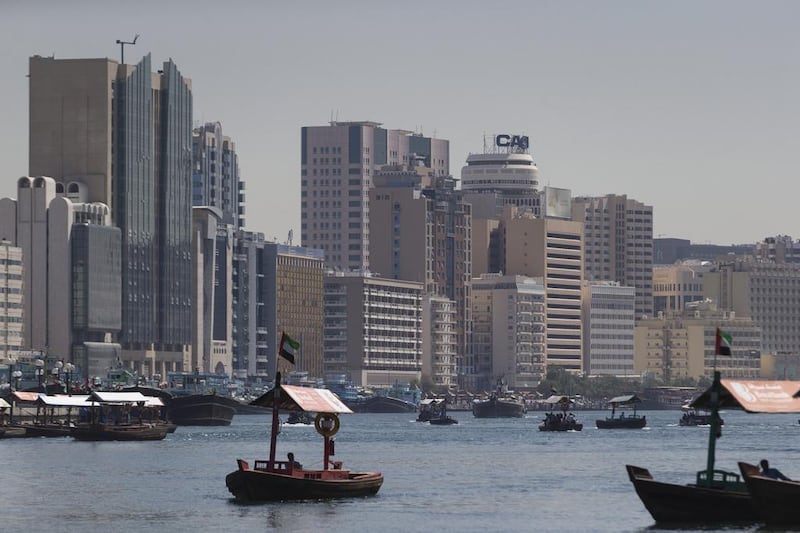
<point x="338" y="163"/>
<point x="675" y="286"/>
<point x="11" y="301"/>
<point x="608" y="322"/>
<point x="215" y="174"/>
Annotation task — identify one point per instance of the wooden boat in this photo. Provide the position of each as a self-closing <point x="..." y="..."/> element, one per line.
<point x="559" y="421"/>
<point x="271" y="480"/>
<point x="123" y="432"/>
<point x="121" y="416"/>
<point x="696" y="417"/>
<point x="300" y="417"/>
<point x="434" y="411"/>
<point x="716" y="496"/>
<point x="622" y="421"/>
<point x="775" y="500"/>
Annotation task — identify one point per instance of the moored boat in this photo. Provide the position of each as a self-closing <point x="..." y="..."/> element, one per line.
<point x="272" y="480"/>
<point x="632" y="421"/>
<point x="121" y="416"/>
<point x="775" y="500"/>
<point x="201" y="410"/>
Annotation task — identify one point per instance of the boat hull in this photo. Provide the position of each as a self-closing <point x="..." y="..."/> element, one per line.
<point x="384" y="404"/>
<point x="442" y="421"/>
<point x="775" y="500"/>
<point x="201" y="410"/>
<point x="257" y="486"/>
<point x="120" y="433"/>
<point x="691" y="504"/>
<point x="498" y="408"/>
<point x="637" y="422"/>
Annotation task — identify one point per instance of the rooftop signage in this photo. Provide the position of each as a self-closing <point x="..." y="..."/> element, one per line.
<point x="512" y="141"/>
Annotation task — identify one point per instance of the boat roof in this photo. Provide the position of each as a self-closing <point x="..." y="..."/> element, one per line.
<point x="24" y="396"/>
<point x="303" y="399"/>
<point x="432" y="401"/>
<point x="624" y="400"/>
<point x="123" y="397"/>
<point x="4" y="404"/>
<point x="78" y="400"/>
<point x="754" y="396"/>
<point x="558" y="398"/>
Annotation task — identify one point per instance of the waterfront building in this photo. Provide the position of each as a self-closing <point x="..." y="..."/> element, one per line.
<point x="551" y="249"/>
<point x="681" y="345"/>
<point x="215" y="174"/>
<point x="11" y="301"/>
<point x="121" y="135"/>
<point x="508" y="332"/>
<point x="421" y="231"/>
<point x="766" y="291"/>
<point x="674" y="286"/>
<point x="278" y="288"/>
<point x="608" y="321"/>
<point x="338" y="164"/>
<point x="59" y="281"/>
<point x="439" y="343"/>
<point x="373" y="329"/>
<point x="212" y="327"/>
<point x="618" y="244"/>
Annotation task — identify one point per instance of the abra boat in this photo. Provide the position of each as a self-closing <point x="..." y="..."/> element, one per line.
<point x="272" y="480"/>
<point x="300" y="417"/>
<point x="717" y="496"/>
<point x="434" y="411"/>
<point x="696" y="417"/>
<point x="561" y="421"/>
<point x="121" y="416"/>
<point x="633" y="421"/>
<point x="775" y="500"/>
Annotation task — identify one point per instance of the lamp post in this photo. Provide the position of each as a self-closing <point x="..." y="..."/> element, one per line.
<point x="39" y="371"/>
<point x="68" y="369"/>
<point x="11" y="362"/>
<point x="57" y="372"/>
<point x="17" y="374"/>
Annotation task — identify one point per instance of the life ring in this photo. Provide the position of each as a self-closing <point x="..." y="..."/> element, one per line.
<point x="326" y="424"/>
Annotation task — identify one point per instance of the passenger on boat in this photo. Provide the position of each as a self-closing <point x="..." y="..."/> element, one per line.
<point x="773" y="473"/>
<point x="295" y="464"/>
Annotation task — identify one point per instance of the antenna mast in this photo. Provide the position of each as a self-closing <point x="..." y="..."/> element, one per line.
<point x="122" y="44"/>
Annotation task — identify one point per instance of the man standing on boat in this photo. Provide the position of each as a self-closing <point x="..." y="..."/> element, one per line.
<point x="773" y="473"/>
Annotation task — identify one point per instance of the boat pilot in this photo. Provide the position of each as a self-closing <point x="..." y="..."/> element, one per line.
<point x="295" y="464"/>
<point x="773" y="473"/>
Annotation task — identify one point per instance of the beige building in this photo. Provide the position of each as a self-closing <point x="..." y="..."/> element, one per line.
<point x="675" y="286"/>
<point x="373" y="329"/>
<point x="439" y="343"/>
<point x="11" y="301"/>
<point x="608" y="321"/>
<point x="551" y="249"/>
<point x="618" y="244"/>
<point x="682" y="345"/>
<point x="508" y="332"/>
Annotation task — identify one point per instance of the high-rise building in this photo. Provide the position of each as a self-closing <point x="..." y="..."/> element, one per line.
<point x="11" y="294"/>
<point x="675" y="286"/>
<point x="338" y="164"/>
<point x="121" y="134"/>
<point x="215" y="174"/>
<point x="618" y="244"/>
<point x="608" y="322"/>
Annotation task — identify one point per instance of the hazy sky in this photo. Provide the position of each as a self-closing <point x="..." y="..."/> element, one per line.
<point x="692" y="107"/>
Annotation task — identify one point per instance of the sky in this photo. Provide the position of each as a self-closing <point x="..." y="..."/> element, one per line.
<point x="692" y="107"/>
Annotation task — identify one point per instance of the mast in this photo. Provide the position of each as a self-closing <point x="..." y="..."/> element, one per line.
<point x="714" y="429"/>
<point x="273" y="438"/>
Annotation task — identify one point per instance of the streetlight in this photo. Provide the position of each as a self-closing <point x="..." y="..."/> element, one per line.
<point x="68" y="369"/>
<point x="57" y="372"/>
<point x="16" y="374"/>
<point x="11" y="362"/>
<point x="39" y="371"/>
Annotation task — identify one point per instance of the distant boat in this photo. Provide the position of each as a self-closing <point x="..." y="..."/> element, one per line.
<point x="200" y="400"/>
<point x="559" y="421"/>
<point x="631" y="421"/>
<point x="272" y="480"/>
<point x="121" y="416"/>
<point x="300" y="417"/>
<point x="434" y="411"/>
<point x="500" y="404"/>
<point x="696" y="417"/>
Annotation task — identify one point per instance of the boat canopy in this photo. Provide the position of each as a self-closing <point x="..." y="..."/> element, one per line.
<point x="4" y="404"/>
<point x="431" y="401"/>
<point x="754" y="396"/>
<point x="557" y="398"/>
<point x="78" y="400"/>
<point x="303" y="399"/>
<point x="121" y="397"/>
<point x="624" y="400"/>
<point x="23" y="396"/>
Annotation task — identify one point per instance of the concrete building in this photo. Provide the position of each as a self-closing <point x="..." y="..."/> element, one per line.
<point x="667" y="250"/>
<point x="675" y="286"/>
<point x="439" y="343"/>
<point x="618" y="244"/>
<point x="508" y="333"/>
<point x="215" y="174"/>
<point x="608" y="321"/>
<point x="421" y="231"/>
<point x="779" y="249"/>
<point x="122" y="135"/>
<point x="675" y="347"/>
<point x="212" y="343"/>
<point x="373" y="329"/>
<point x="277" y="288"/>
<point x="766" y="291"/>
<point x="551" y="249"/>
<point x="11" y="301"/>
<point x="338" y="163"/>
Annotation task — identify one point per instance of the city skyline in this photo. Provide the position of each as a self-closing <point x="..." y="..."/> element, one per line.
<point x="686" y="107"/>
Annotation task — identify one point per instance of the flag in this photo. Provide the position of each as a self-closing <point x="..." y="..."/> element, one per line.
<point x="723" y="344"/>
<point x="289" y="347"/>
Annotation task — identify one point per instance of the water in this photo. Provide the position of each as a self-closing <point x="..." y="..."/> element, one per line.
<point x="479" y="475"/>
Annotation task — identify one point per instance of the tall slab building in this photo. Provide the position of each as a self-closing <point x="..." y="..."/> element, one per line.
<point x="122" y="135"/>
<point x="338" y="163"/>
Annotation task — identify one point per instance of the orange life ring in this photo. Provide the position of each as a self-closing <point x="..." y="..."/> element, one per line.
<point x="327" y="424"/>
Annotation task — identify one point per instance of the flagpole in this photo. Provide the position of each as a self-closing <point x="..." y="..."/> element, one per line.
<point x="276" y="400"/>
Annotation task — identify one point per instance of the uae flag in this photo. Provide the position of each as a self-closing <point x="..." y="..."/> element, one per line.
<point x="724" y="341"/>
<point x="289" y="347"/>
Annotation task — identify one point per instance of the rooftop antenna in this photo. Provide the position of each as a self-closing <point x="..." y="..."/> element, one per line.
<point x="122" y="44"/>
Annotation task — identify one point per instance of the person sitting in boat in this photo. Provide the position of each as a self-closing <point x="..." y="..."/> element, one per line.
<point x="295" y="464"/>
<point x="773" y="473"/>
